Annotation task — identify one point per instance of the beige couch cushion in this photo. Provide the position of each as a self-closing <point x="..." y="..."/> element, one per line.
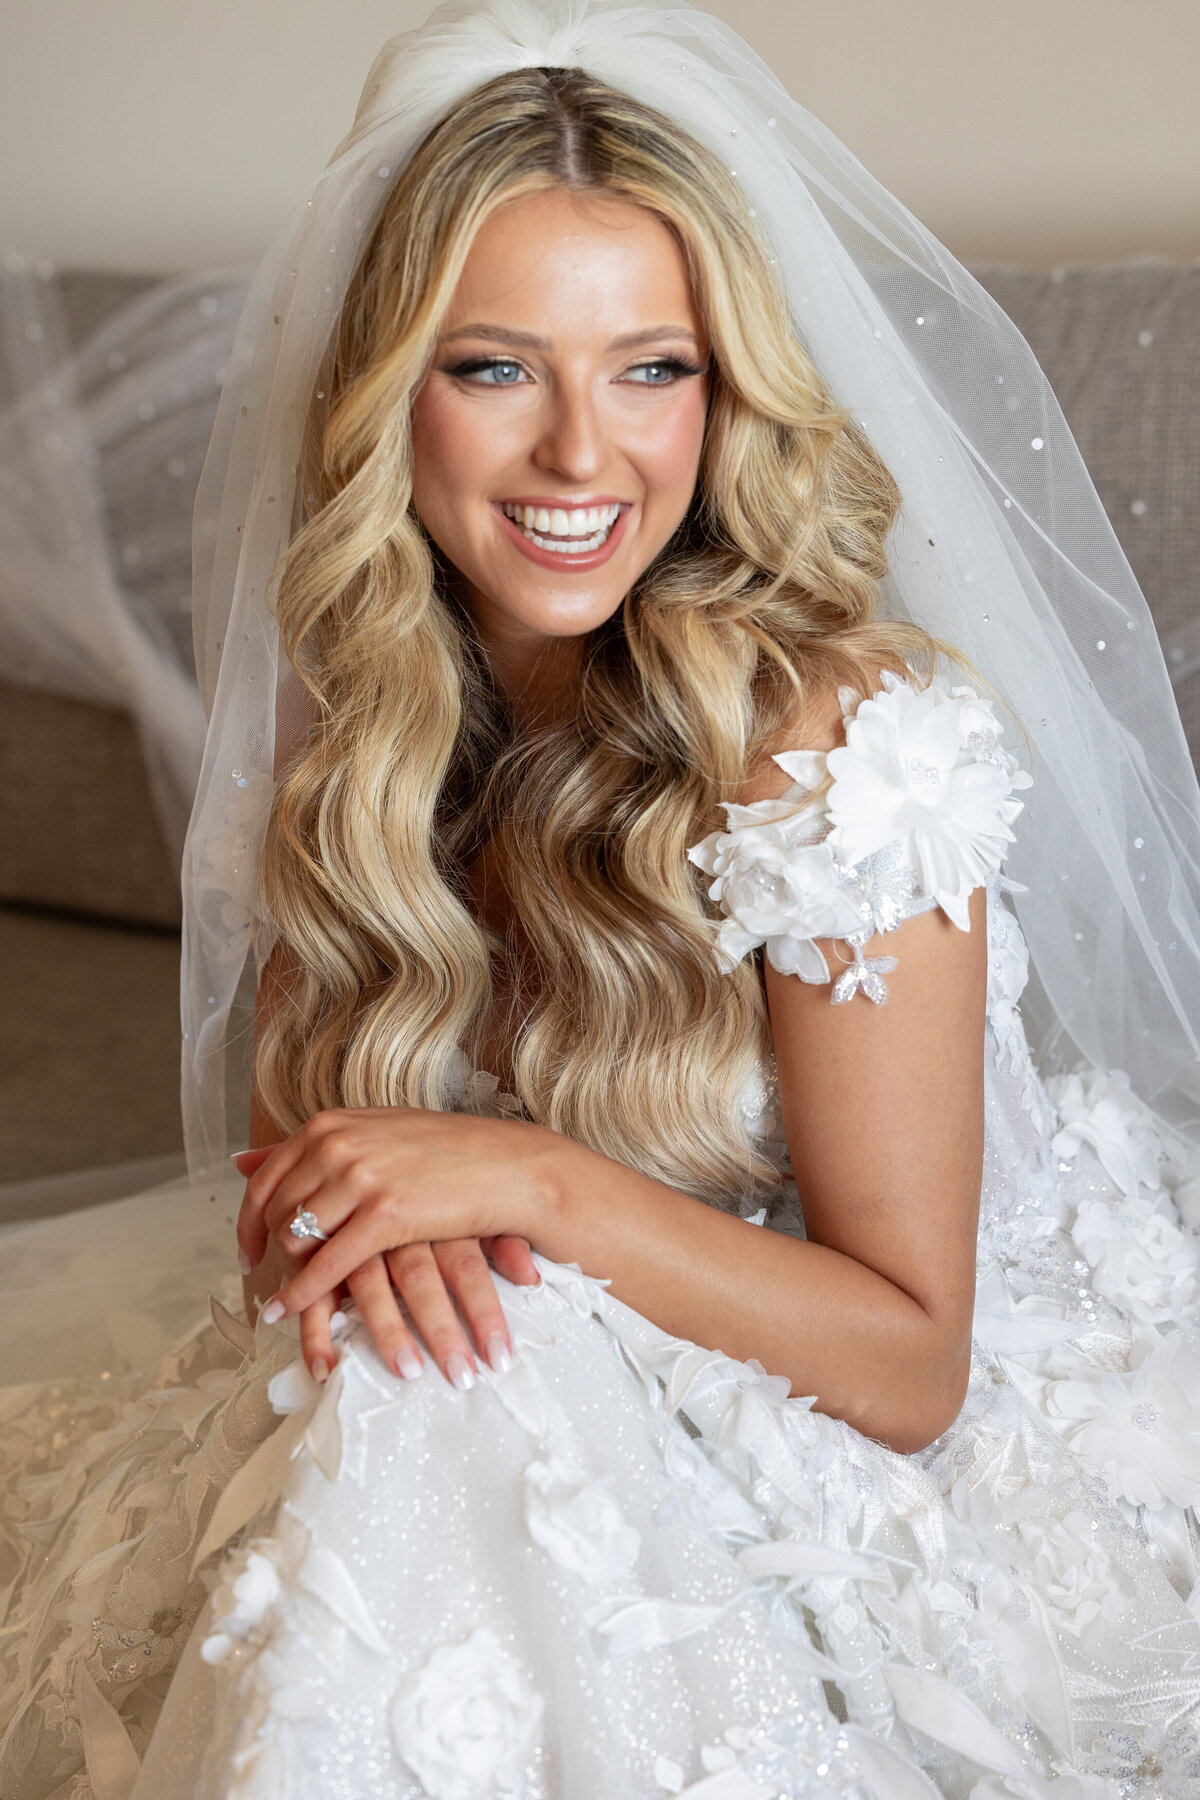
<point x="77" y="824"/>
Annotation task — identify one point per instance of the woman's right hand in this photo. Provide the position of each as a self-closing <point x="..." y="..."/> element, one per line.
<point x="429" y="1279"/>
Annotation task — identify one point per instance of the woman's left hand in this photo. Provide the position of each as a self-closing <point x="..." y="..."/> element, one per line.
<point x="380" y="1177"/>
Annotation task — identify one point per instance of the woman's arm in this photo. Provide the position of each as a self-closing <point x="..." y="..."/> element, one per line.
<point x="883" y="1107"/>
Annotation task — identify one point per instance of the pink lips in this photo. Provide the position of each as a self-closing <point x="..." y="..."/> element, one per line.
<point x="550" y="559"/>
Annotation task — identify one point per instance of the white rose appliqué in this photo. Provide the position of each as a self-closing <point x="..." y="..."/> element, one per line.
<point x="1098" y="1107"/>
<point x="774" y="887"/>
<point x="466" y="1723"/>
<point x="248" y="1590"/>
<point x="923" y="767"/>
<point x="1141" y="1428"/>
<point x="578" y="1523"/>
<point x="1140" y="1259"/>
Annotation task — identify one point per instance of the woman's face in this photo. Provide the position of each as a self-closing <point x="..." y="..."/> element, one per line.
<point x="557" y="436"/>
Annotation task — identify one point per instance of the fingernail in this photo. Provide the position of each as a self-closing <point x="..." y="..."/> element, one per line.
<point x="244" y="1263"/>
<point x="498" y="1354"/>
<point x="459" y="1372"/>
<point x="273" y="1311"/>
<point x="320" y="1369"/>
<point x="409" y="1365"/>
<point x="234" y="1154"/>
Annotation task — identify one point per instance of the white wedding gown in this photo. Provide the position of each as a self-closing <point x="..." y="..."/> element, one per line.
<point x="633" y="1567"/>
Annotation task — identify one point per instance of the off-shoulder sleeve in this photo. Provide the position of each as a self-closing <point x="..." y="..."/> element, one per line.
<point x="918" y="814"/>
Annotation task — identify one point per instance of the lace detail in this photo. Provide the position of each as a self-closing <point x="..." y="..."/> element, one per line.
<point x="918" y="814"/>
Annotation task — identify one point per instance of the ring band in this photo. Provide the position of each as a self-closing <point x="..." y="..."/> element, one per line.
<point x="304" y="1225"/>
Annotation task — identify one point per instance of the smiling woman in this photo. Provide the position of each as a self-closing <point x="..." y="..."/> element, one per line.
<point x="638" y="1076"/>
<point x="505" y="452"/>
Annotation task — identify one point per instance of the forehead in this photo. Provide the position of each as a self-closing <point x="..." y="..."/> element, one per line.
<point x="581" y="260"/>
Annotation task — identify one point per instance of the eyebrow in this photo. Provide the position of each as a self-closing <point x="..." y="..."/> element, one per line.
<point x="529" y="340"/>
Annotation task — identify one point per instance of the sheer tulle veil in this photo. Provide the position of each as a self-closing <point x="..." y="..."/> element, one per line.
<point x="1002" y="546"/>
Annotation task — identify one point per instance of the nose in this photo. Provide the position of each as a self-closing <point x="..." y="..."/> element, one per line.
<point x="571" y="442"/>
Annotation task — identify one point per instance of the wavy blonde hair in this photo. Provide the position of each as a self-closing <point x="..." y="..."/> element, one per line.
<point x="629" y="1038"/>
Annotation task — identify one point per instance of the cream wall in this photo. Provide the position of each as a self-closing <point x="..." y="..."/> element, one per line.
<point x="160" y="134"/>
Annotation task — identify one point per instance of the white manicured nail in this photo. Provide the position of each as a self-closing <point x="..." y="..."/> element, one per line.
<point x="320" y="1369"/>
<point x="409" y="1365"/>
<point x="498" y="1354"/>
<point x="244" y="1263"/>
<point x="459" y="1372"/>
<point x="273" y="1311"/>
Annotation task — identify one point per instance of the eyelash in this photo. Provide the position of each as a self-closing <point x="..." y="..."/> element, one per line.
<point x="476" y="364"/>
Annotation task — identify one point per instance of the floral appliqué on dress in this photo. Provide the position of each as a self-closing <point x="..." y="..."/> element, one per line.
<point x="918" y="814"/>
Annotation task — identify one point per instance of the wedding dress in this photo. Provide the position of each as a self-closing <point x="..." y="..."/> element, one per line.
<point x="633" y="1566"/>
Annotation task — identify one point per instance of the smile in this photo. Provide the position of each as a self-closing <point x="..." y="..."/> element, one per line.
<point x="578" y="538"/>
<point x="572" y="533"/>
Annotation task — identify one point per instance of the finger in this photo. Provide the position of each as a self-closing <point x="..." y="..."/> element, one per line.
<point x="419" y="1283"/>
<point x="325" y="1181"/>
<point x="362" y="1236"/>
<point x="316" y="1343"/>
<point x="246" y="1162"/>
<point x="372" y="1289"/>
<point x="252" y="1232"/>
<point x="512" y="1258"/>
<point x="319" y="1147"/>
<point x="464" y="1270"/>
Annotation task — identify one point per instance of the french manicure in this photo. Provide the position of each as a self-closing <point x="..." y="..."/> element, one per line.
<point x="320" y="1369"/>
<point x="500" y="1357"/>
<point x="409" y="1365"/>
<point x="273" y="1311"/>
<point x="244" y="1263"/>
<point x="459" y="1372"/>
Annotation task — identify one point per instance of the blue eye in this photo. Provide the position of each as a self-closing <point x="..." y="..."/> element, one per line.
<point x="664" y="371"/>
<point x="480" y="366"/>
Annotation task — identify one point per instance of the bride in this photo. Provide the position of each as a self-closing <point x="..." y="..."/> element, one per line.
<point x="690" y="1343"/>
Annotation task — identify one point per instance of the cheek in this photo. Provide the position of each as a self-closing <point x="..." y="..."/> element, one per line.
<point x="457" y="454"/>
<point x="670" y="450"/>
<point x="438" y="444"/>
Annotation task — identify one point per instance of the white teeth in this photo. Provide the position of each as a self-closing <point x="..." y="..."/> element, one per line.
<point x="573" y="533"/>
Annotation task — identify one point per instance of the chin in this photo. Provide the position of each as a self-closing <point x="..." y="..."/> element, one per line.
<point x="571" y="615"/>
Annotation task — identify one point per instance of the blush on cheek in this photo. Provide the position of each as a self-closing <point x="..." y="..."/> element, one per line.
<point x="670" y="452"/>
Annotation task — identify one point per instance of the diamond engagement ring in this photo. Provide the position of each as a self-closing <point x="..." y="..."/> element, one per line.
<point x="304" y="1225"/>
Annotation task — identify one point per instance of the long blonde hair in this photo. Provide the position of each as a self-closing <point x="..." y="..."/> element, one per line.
<point x="634" y="1041"/>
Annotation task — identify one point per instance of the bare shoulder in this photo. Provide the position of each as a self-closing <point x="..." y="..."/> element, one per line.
<point x="817" y="725"/>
